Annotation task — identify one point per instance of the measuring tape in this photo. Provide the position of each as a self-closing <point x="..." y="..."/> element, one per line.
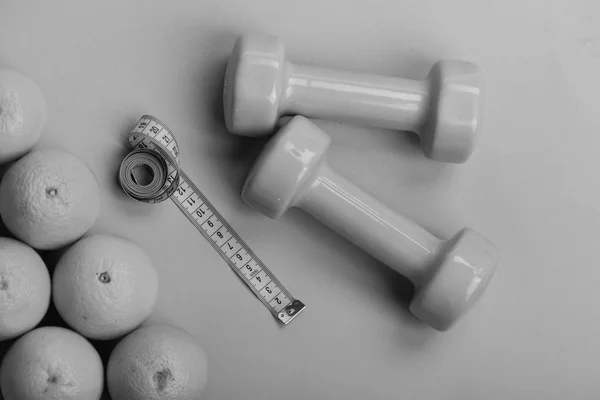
<point x="156" y="150"/>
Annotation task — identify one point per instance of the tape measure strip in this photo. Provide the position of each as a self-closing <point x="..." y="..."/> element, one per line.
<point x="156" y="149"/>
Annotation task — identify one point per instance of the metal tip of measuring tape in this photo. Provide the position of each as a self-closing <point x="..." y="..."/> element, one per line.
<point x="290" y="312"/>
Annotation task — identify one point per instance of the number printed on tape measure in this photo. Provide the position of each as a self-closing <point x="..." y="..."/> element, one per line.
<point x="157" y="147"/>
<point x="260" y="280"/>
<point x="270" y="291"/>
<point x="231" y="247"/>
<point x="249" y="269"/>
<point x="240" y="258"/>
<point x="212" y="225"/>
<point x="202" y="213"/>
<point x="221" y="236"/>
<point x="191" y="203"/>
<point x="279" y="302"/>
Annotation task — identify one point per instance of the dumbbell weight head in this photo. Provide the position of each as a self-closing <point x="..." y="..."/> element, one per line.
<point x="253" y="85"/>
<point x="453" y="121"/>
<point x="460" y="276"/>
<point x="279" y="174"/>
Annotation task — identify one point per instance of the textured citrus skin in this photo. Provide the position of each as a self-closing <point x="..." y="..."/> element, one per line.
<point x="24" y="288"/>
<point x="104" y="286"/>
<point x="22" y="114"/>
<point x="52" y="363"/>
<point x="157" y="363"/>
<point x="49" y="199"/>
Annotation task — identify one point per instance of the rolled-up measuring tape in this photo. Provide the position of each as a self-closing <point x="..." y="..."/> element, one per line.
<point x="155" y="149"/>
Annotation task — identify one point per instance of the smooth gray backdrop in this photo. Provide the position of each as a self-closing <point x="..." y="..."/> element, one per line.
<point x="531" y="187"/>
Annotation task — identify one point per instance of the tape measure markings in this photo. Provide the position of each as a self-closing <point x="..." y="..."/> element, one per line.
<point x="231" y="247"/>
<point x="156" y="148"/>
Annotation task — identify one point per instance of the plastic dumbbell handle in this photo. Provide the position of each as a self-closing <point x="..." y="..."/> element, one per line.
<point x="391" y="238"/>
<point x="385" y="102"/>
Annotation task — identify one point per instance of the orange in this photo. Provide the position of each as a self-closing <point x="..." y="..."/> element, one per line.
<point x="157" y="363"/>
<point x="49" y="198"/>
<point x="51" y="364"/>
<point x="104" y="286"/>
<point x="24" y="288"/>
<point x="22" y="114"/>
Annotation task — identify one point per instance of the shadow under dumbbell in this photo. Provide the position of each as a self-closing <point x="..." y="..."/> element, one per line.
<point x="210" y="81"/>
<point x="399" y="290"/>
<point x="238" y="153"/>
<point x="215" y="99"/>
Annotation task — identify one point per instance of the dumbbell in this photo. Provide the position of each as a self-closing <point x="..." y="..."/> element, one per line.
<point x="292" y="171"/>
<point x="444" y="109"/>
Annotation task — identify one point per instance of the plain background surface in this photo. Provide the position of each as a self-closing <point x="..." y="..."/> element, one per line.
<point x="531" y="187"/>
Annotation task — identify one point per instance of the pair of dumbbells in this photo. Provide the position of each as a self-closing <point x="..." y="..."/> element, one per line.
<point x="261" y="86"/>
